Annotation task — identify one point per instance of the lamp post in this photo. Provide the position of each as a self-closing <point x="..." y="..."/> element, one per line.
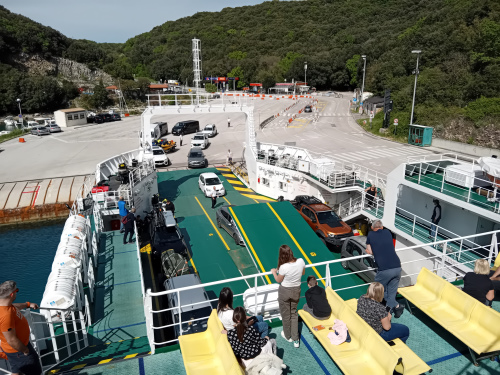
<point x="363" y="84"/>
<point x="305" y="73"/>
<point x="418" y="52"/>
<point x="20" y="112"/>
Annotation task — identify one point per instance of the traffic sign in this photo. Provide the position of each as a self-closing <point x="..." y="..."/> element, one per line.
<point x="354" y="100"/>
<point x="395" y="121"/>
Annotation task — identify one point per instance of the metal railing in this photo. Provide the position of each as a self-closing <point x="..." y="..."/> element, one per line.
<point x="351" y="206"/>
<point x="451" y="181"/>
<point x="441" y="264"/>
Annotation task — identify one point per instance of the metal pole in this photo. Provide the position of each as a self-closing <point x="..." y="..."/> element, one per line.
<point x="363" y="84"/>
<point x="414" y="87"/>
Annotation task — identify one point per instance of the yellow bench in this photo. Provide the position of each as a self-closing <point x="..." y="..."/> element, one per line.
<point x="411" y="363"/>
<point x="472" y="322"/>
<point x="367" y="353"/>
<point x="209" y="352"/>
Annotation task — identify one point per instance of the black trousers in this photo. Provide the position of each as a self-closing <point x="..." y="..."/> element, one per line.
<point x="127" y="231"/>
<point x="214" y="201"/>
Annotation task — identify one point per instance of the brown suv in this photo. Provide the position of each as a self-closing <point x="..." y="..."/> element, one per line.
<point x="322" y="220"/>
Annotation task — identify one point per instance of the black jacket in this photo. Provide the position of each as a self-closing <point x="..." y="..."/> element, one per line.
<point x="130" y="221"/>
<point x="316" y="300"/>
<point x="436" y="214"/>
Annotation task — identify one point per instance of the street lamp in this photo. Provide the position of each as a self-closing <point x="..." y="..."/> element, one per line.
<point x="418" y="52"/>
<point x="20" y="112"/>
<point x="363" y="84"/>
<point x="305" y="73"/>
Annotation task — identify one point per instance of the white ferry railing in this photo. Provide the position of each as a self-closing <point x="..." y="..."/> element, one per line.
<point x="82" y="193"/>
<point x="351" y="206"/>
<point x="441" y="263"/>
<point x="437" y="181"/>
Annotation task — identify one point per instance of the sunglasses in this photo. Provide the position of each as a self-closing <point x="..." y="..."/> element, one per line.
<point x="15" y="291"/>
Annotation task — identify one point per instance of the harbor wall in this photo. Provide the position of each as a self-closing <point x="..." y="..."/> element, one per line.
<point x="464" y="148"/>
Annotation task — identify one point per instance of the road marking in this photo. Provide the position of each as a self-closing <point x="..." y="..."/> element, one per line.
<point x="105" y="361"/>
<point x="194" y="267"/>
<point x="130" y="356"/>
<point x="229" y="175"/>
<point x="211" y="222"/>
<point x="249" y="244"/>
<point x="77" y="367"/>
<point x="226" y="200"/>
<point x="235" y="182"/>
<point x="295" y="241"/>
<point x="237" y="188"/>
<point x="259" y="197"/>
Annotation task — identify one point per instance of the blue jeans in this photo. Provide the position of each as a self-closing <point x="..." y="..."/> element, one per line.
<point x="397" y="331"/>
<point x="261" y="326"/>
<point x="433" y="230"/>
<point x="121" y="224"/>
<point x="390" y="280"/>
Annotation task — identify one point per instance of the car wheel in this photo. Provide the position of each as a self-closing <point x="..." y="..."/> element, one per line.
<point x="322" y="239"/>
<point x="236" y="239"/>
<point x="344" y="264"/>
<point x="219" y="224"/>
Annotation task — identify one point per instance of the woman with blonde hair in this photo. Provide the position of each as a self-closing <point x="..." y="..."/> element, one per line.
<point x="289" y="274"/>
<point x="478" y="284"/>
<point x="371" y="309"/>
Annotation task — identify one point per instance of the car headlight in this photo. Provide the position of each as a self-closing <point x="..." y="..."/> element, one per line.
<point x="331" y="235"/>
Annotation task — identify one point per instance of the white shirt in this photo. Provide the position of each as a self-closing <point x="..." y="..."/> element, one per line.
<point x="229" y="154"/>
<point x="292" y="273"/>
<point x="226" y="318"/>
<point x="214" y="193"/>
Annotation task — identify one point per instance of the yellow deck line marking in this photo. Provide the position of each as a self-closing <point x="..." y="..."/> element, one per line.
<point x="192" y="263"/>
<point x="224" y="169"/>
<point x="226" y="200"/>
<point x="237" y="188"/>
<point x="105" y="361"/>
<point x="235" y="182"/>
<point x="77" y="367"/>
<point x="249" y="244"/>
<point x="54" y="371"/>
<point x="211" y="222"/>
<point x="231" y="175"/>
<point x="130" y="356"/>
<point x="259" y="197"/>
<point x="295" y="241"/>
<point x="256" y="201"/>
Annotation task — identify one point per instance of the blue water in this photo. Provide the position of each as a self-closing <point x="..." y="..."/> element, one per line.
<point x="26" y="255"/>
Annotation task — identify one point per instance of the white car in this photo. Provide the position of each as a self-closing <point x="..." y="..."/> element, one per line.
<point x="210" y="130"/>
<point x="160" y="157"/>
<point x="200" y="140"/>
<point x="206" y="183"/>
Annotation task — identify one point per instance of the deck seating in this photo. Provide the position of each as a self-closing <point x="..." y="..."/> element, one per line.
<point x="209" y="352"/>
<point x="367" y="353"/>
<point x="411" y="363"/>
<point x="472" y="322"/>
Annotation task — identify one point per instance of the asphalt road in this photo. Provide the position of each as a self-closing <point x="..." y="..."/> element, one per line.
<point x="329" y="130"/>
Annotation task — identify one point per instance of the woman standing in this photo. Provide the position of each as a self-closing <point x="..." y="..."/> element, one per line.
<point x="378" y="316"/>
<point x="289" y="273"/>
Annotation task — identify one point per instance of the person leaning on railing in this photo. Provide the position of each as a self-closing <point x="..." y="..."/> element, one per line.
<point x="15" y="332"/>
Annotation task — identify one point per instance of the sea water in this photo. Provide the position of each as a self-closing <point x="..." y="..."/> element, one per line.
<point x="26" y="255"/>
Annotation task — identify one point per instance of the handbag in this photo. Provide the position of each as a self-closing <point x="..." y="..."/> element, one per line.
<point x="124" y="220"/>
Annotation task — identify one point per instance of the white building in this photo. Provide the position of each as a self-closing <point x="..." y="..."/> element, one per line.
<point x="70" y="117"/>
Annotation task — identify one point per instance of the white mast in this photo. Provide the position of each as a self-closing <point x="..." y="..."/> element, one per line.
<point x="197" y="64"/>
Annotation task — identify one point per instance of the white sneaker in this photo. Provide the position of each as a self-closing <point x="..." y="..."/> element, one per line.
<point x="283" y="366"/>
<point x="296" y="344"/>
<point x="283" y="335"/>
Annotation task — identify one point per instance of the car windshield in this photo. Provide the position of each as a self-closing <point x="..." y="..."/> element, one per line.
<point x="158" y="152"/>
<point x="199" y="137"/>
<point x="329" y="218"/>
<point x="195" y="154"/>
<point x="212" y="181"/>
<point x="208" y="127"/>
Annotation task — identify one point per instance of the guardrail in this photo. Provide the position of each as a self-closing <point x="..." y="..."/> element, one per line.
<point x="440" y="263"/>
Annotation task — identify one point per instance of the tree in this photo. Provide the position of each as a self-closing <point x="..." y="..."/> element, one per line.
<point x="100" y="98"/>
<point x="238" y="72"/>
<point x="210" y="87"/>
<point x="351" y="66"/>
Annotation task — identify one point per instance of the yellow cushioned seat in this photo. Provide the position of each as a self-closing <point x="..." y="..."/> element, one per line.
<point x="453" y="307"/>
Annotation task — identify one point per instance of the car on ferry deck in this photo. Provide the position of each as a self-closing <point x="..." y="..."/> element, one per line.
<point x="196" y="158"/>
<point x="225" y="220"/>
<point x="207" y="182"/>
<point x="356" y="246"/>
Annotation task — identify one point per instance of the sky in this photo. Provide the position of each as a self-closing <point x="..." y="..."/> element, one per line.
<point x="112" y="21"/>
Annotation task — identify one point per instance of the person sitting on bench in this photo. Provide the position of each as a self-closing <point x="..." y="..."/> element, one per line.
<point x="477" y="284"/>
<point x="317" y="304"/>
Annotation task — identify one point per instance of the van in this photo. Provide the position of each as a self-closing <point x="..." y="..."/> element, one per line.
<point x="186" y="127"/>
<point x="160" y="130"/>
<point x="189" y="313"/>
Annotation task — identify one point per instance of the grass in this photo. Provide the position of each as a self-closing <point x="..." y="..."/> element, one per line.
<point x="13" y="134"/>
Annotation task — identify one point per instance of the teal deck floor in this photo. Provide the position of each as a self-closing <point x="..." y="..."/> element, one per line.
<point x="118" y="310"/>
<point x="434" y="181"/>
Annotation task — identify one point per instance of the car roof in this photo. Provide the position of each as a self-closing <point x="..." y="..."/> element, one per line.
<point x="209" y="175"/>
<point x="196" y="149"/>
<point x="318" y="207"/>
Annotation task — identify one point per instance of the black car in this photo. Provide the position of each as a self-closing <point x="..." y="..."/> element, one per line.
<point x="116" y="117"/>
<point x="186" y="127"/>
<point x="107" y="117"/>
<point x="308" y="108"/>
<point x="98" y="119"/>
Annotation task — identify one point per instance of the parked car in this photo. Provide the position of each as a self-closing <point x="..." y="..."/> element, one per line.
<point x="225" y="220"/>
<point x="98" y="119"/>
<point x="308" y="108"/>
<point x="207" y="182"/>
<point x="322" y="220"/>
<point x="169" y="237"/>
<point x="210" y="130"/>
<point x="216" y="96"/>
<point x="189" y="313"/>
<point x="116" y="117"/>
<point x="107" y="117"/>
<point x="160" y="129"/>
<point x="31" y="124"/>
<point x="39" y="130"/>
<point x="186" y="127"/>
<point x="200" y="140"/>
<point x="196" y="158"/>
<point x="53" y="128"/>
<point x="160" y="157"/>
<point x="355" y="246"/>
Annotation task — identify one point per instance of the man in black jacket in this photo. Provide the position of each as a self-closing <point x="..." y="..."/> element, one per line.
<point x="317" y="305"/>
<point x="129" y="226"/>
<point x="436" y="216"/>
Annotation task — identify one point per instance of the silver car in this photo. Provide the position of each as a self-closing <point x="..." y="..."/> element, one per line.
<point x="53" y="128"/>
<point x="355" y="246"/>
<point x="39" y="130"/>
<point x="225" y="220"/>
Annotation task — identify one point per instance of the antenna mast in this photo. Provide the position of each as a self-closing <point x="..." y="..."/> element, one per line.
<point x="197" y="64"/>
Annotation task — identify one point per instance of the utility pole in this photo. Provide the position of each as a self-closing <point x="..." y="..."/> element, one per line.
<point x="305" y="73"/>
<point x="363" y="84"/>
<point x="418" y="52"/>
<point x="20" y="113"/>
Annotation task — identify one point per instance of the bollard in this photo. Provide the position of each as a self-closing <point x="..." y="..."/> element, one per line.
<point x="21" y="140"/>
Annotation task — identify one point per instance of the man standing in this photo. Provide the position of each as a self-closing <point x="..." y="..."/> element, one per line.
<point x="371" y="194"/>
<point x="436" y="216"/>
<point x="214" y="197"/>
<point x="229" y="157"/>
<point x="123" y="212"/>
<point x="228" y="122"/>
<point x="180" y="140"/>
<point x="379" y="243"/>
<point x="15" y="332"/>
<point x="129" y="226"/>
<point x="168" y="205"/>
